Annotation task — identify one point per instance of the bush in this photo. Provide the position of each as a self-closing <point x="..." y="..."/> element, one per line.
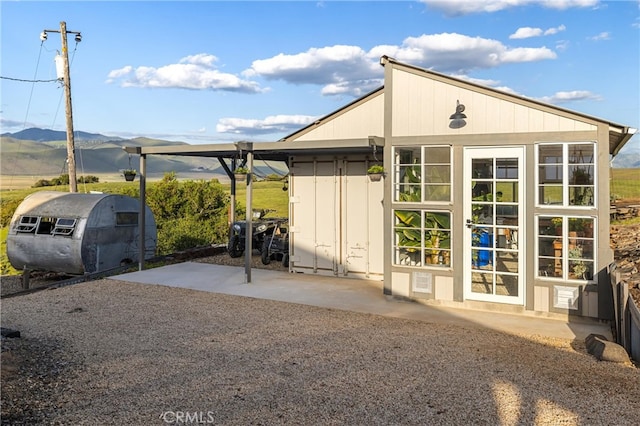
<point x="188" y="214"/>
<point x="7" y="208"/>
<point x="64" y="180"/>
<point x="181" y="234"/>
<point x="273" y="177"/>
<point x="88" y="179"/>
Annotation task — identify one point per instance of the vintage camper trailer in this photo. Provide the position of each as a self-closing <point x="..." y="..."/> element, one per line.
<point x="77" y="233"/>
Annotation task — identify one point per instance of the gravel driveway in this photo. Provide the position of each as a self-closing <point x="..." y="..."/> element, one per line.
<point x="111" y="352"/>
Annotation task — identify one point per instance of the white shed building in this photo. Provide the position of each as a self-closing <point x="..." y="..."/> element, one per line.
<point x="489" y="200"/>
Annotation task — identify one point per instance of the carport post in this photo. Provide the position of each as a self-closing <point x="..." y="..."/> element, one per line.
<point x="249" y="236"/>
<point x="142" y="215"/>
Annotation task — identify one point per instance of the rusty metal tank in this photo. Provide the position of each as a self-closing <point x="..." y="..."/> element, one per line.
<point x="78" y="233"/>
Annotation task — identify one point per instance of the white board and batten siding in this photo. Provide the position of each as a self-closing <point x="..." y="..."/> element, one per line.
<point x="359" y="121"/>
<point x="422" y="106"/>
<point x="336" y="218"/>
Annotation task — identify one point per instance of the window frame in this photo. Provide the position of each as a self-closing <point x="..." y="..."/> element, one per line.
<point x="428" y="258"/>
<point x="565" y="182"/>
<point x="422" y="185"/>
<point x="563" y="242"/>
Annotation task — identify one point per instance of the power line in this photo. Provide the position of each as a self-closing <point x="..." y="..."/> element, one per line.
<point x="29" y="81"/>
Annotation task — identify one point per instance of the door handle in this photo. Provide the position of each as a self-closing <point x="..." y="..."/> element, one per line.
<point x="469" y="223"/>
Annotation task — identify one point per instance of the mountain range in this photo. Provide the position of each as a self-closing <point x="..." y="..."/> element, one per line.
<point x="42" y="152"/>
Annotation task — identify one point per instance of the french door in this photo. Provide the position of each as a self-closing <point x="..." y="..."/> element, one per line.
<point x="493" y="209"/>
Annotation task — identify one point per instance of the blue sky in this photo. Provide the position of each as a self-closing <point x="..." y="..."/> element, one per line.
<point x="207" y="72"/>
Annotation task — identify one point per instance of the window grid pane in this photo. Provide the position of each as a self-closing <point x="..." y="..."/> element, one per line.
<point x="566" y="247"/>
<point x="566" y="174"/>
<point x="422" y="238"/>
<point x="422" y="174"/>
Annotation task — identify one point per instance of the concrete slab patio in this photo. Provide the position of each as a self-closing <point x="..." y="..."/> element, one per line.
<point x="352" y="295"/>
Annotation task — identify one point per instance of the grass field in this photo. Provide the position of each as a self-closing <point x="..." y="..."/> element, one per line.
<point x="625" y="184"/>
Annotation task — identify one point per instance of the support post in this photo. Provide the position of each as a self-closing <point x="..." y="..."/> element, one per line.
<point x="142" y="219"/>
<point x="249" y="237"/>
<point x="232" y="214"/>
<point x="26" y="276"/>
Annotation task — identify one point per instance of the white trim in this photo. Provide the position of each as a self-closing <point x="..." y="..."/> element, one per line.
<point x="494" y="152"/>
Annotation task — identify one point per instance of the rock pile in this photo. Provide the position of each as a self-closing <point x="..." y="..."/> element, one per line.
<point x="625" y="241"/>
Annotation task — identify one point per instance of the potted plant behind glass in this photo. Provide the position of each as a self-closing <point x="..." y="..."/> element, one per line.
<point x="375" y="172"/>
<point x="129" y="174"/>
<point x="241" y="173"/>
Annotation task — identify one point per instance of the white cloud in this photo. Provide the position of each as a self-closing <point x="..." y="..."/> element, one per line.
<point x="571" y="96"/>
<point x="528" y="32"/>
<point x="460" y="53"/>
<point x="195" y="72"/>
<point x="602" y="36"/>
<point x="555" y="30"/>
<point x="271" y="124"/>
<point x="316" y="65"/>
<point x="349" y="70"/>
<point x="465" y="7"/>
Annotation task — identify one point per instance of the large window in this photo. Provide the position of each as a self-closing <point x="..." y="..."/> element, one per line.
<point x="422" y="174"/>
<point x="422" y="238"/>
<point x="566" y="247"/>
<point x="566" y="174"/>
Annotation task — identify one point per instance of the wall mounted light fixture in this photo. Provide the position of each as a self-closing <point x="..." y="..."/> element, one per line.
<point x="458" y="117"/>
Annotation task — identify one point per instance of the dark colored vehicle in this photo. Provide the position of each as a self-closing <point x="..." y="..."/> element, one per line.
<point x="261" y="228"/>
<point x="276" y="245"/>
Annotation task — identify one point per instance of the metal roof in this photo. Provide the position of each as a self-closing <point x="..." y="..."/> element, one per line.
<point x="277" y="151"/>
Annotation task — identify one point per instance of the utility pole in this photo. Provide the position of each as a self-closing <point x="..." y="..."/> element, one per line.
<point x="71" y="150"/>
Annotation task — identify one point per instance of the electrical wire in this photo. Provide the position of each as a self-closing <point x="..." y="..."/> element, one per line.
<point x="275" y="171"/>
<point x="28" y="81"/>
<point x="26" y="116"/>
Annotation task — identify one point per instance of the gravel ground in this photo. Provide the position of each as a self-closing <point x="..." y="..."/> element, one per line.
<point x="111" y="352"/>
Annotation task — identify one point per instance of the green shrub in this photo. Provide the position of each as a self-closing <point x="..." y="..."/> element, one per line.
<point x="273" y="177"/>
<point x="181" y="234"/>
<point x="188" y="214"/>
<point x="7" y="208"/>
<point x="88" y="179"/>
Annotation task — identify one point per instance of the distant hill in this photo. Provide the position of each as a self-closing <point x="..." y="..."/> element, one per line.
<point x="95" y="154"/>
<point x="47" y="135"/>
<point x="626" y="161"/>
<point x="40" y="152"/>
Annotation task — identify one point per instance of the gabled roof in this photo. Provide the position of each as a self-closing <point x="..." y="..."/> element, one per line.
<point x="619" y="134"/>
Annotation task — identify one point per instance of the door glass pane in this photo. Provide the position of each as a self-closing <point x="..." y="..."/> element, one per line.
<point x="481" y="283"/>
<point x="506" y="262"/>
<point x="482" y="168"/>
<point x="482" y="190"/>
<point x="506" y="192"/>
<point x="507" y="168"/>
<point x="506" y="285"/>
<point x="482" y="213"/>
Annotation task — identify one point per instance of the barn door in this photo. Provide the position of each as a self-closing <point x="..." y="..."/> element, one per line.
<point x="362" y="221"/>
<point x="312" y="215"/>
<point x="336" y="219"/>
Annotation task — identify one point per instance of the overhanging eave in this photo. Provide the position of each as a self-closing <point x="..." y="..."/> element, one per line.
<point x="278" y="151"/>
